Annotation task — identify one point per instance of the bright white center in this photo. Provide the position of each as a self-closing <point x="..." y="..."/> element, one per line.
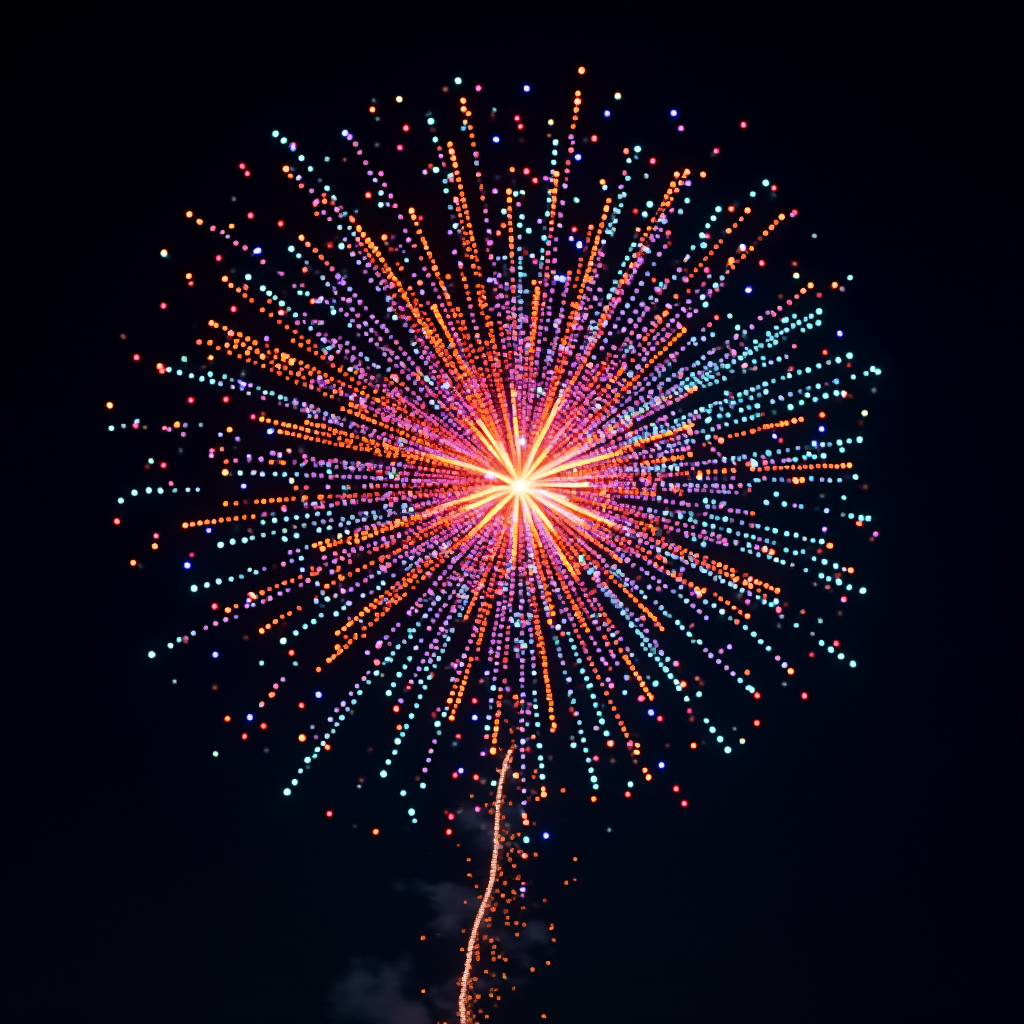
<point x="519" y="486"/>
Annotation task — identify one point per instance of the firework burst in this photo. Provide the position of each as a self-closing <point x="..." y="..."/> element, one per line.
<point x="558" y="476"/>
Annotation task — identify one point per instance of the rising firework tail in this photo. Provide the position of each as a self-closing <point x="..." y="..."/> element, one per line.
<point x="465" y="985"/>
<point x="557" y="463"/>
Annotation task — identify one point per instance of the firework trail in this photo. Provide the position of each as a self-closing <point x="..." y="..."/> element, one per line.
<point x="495" y="867"/>
<point x="516" y="463"/>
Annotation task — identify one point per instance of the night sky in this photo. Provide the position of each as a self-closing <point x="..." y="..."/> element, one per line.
<point x="860" y="862"/>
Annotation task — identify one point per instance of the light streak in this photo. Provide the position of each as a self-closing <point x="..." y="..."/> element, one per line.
<point x="465" y="1012"/>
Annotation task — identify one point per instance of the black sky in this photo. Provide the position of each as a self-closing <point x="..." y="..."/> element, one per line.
<point x="863" y="863"/>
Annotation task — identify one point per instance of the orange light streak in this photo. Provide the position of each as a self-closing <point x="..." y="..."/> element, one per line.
<point x="499" y="798"/>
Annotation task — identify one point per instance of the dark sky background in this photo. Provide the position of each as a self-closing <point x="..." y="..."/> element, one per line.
<point x="861" y="862"/>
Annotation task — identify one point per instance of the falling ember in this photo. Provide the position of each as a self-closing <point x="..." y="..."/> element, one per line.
<point x="557" y="469"/>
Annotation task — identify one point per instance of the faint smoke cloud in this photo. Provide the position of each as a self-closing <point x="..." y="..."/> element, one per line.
<point x="373" y="993"/>
<point x="453" y="905"/>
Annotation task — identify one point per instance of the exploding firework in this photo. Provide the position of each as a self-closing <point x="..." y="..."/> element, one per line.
<point x="566" y="478"/>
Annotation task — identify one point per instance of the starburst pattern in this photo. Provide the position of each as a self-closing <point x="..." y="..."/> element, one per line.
<point x="525" y="474"/>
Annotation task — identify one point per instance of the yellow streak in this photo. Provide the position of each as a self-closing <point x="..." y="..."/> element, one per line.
<point x="495" y="448"/>
<point x="515" y="525"/>
<point x="482" y="497"/>
<point x="540" y="437"/>
<point x="553" y="534"/>
<point x="639" y="442"/>
<point x="486" y="519"/>
<point x="570" y="509"/>
<point x="515" y="433"/>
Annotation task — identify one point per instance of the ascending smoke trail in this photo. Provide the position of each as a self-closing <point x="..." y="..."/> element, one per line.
<point x="499" y="801"/>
